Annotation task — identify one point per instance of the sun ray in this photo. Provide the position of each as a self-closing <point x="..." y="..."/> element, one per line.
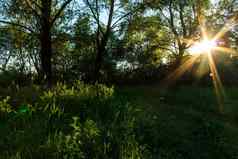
<point x="202" y="47"/>
<point x="202" y="67"/>
<point x="220" y="94"/>
<point x="189" y="42"/>
<point x="225" y="50"/>
<point x="203" y="30"/>
<point x="172" y="77"/>
<point x="222" y="32"/>
<point x="230" y="24"/>
<point x="206" y="47"/>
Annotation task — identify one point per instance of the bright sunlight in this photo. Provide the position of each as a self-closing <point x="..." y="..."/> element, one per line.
<point x="203" y="47"/>
<point x="206" y="47"/>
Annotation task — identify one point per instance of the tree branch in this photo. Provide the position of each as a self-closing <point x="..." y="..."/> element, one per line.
<point x="96" y="17"/>
<point x="182" y="20"/>
<point x="109" y="22"/>
<point x="18" y="25"/>
<point x="60" y="11"/>
<point x="125" y="15"/>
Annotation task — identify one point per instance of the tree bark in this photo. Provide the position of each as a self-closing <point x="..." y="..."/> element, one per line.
<point x="46" y="42"/>
<point x="98" y="62"/>
<point x="46" y="54"/>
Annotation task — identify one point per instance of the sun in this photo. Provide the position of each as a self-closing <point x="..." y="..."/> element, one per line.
<point x="207" y="47"/>
<point x="203" y="47"/>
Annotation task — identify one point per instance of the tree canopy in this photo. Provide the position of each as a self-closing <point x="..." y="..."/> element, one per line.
<point x="97" y="40"/>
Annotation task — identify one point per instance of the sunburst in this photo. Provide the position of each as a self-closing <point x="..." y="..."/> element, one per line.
<point x="202" y="47"/>
<point x="206" y="47"/>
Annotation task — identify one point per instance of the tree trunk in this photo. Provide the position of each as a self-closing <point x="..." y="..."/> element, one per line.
<point x="46" y="54"/>
<point x="102" y="44"/>
<point x="179" y="58"/>
<point x="46" y="43"/>
<point x="99" y="60"/>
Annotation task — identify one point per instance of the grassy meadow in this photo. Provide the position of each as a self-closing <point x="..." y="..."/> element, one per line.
<point x="96" y="121"/>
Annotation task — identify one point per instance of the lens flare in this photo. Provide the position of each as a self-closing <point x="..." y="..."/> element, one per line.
<point x="202" y="47"/>
<point x="219" y="91"/>
<point x="206" y="47"/>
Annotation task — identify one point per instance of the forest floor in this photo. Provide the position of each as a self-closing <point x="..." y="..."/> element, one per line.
<point x="185" y="101"/>
<point x="188" y="111"/>
<point x="149" y="121"/>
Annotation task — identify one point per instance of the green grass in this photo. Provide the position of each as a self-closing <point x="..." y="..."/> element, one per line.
<point x="98" y="122"/>
<point x="189" y="121"/>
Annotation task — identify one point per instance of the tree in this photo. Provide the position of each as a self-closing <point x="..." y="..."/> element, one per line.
<point x="118" y="11"/>
<point x="182" y="18"/>
<point x="146" y="41"/>
<point x="37" y="17"/>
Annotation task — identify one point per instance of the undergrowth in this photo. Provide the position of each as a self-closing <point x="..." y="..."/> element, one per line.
<point x="85" y="121"/>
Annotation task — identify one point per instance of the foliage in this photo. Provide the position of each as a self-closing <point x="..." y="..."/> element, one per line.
<point x="103" y="125"/>
<point x="110" y="123"/>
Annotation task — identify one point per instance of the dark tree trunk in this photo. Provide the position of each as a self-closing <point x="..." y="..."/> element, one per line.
<point x="46" y="54"/>
<point x="98" y="63"/>
<point x="101" y="51"/>
<point x="46" y="43"/>
<point x="180" y="56"/>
